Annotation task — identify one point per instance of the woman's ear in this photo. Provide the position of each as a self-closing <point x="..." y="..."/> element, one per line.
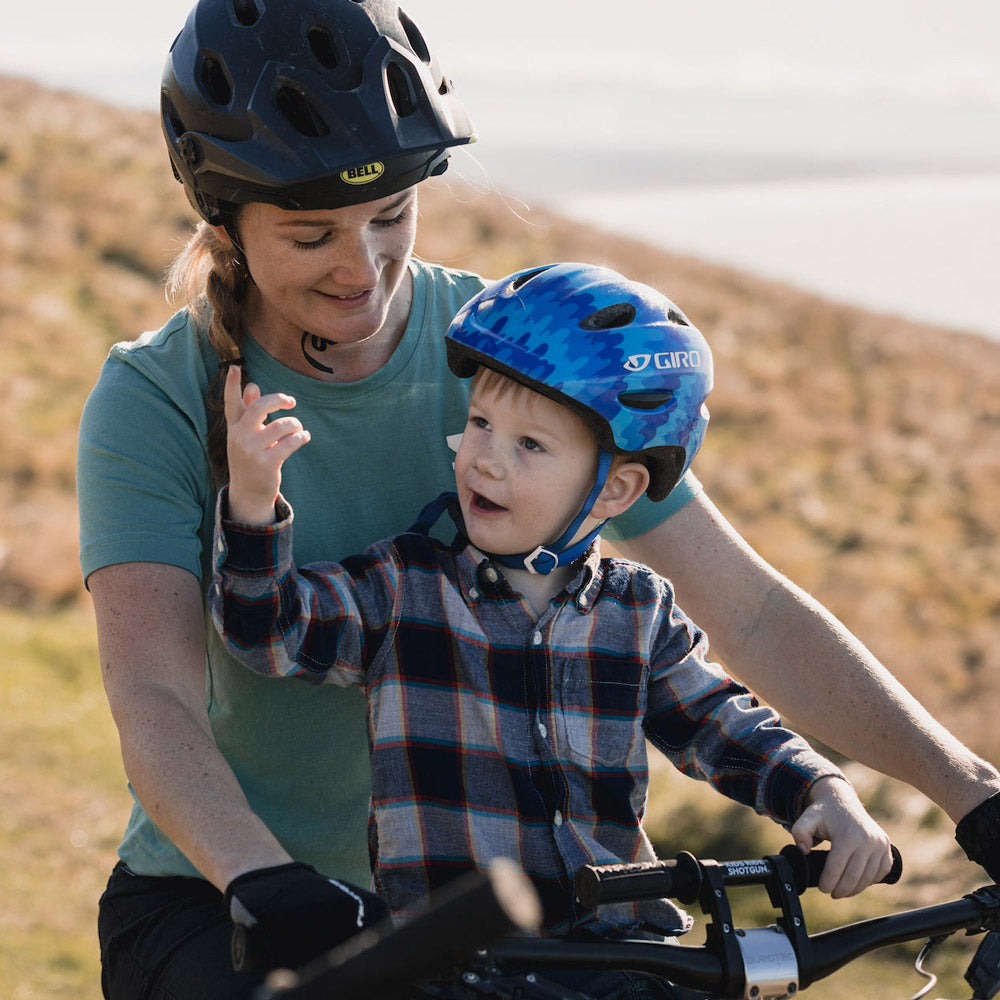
<point x="222" y="234"/>
<point x="627" y="481"/>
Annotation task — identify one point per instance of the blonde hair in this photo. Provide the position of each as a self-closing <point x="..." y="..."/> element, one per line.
<point x="211" y="278"/>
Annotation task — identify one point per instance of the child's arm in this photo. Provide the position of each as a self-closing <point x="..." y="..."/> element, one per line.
<point x="323" y="621"/>
<point x="256" y="449"/>
<point x="274" y="618"/>
<point x="711" y="728"/>
<point x="859" y="847"/>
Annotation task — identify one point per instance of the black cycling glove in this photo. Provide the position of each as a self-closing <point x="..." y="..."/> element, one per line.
<point x="978" y="834"/>
<point x="289" y="914"/>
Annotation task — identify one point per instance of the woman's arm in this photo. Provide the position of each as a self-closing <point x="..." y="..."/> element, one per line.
<point x="797" y="657"/>
<point x="151" y="637"/>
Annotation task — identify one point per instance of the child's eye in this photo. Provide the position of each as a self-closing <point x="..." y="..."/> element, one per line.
<point x="314" y="244"/>
<point x="531" y="444"/>
<point x="480" y="422"/>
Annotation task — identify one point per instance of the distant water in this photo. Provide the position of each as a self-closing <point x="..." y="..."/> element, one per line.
<point x="925" y="246"/>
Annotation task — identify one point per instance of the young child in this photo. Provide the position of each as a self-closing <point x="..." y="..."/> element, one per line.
<point x="514" y="676"/>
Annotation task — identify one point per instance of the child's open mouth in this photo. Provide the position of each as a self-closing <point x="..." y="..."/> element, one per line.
<point x="484" y="503"/>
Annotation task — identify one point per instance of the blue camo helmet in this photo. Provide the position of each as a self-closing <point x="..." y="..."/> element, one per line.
<point x="305" y="104"/>
<point x="603" y="345"/>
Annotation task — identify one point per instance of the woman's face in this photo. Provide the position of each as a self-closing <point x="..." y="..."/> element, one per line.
<point x="333" y="273"/>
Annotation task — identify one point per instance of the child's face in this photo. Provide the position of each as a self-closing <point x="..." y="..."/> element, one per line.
<point x="523" y="469"/>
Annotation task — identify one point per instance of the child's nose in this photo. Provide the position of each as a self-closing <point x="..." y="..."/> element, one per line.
<point x="489" y="461"/>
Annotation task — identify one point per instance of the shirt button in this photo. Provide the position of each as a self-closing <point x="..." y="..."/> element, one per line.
<point x="557" y="819"/>
<point x="491" y="574"/>
<point x="473" y="594"/>
<point x="542" y="729"/>
<point x="537" y="638"/>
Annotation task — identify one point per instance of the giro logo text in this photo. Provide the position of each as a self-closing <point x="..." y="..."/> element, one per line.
<point x="665" y="361"/>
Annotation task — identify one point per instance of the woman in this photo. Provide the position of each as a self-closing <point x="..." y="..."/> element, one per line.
<point x="301" y="132"/>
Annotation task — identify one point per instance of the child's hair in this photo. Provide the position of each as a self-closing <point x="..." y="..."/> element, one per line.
<point x="212" y="279"/>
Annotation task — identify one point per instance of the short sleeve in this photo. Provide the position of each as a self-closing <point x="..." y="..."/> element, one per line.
<point x="142" y="476"/>
<point x="644" y="515"/>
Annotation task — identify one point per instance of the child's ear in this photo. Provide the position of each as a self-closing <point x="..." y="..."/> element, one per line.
<point x="627" y="481"/>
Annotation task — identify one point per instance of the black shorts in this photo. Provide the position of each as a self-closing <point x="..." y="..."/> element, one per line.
<point x="167" y="938"/>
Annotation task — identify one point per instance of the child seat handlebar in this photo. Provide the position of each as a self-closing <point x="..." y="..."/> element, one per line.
<point x="682" y="878"/>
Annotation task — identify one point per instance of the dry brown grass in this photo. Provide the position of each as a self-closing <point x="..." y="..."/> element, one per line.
<point x="859" y="453"/>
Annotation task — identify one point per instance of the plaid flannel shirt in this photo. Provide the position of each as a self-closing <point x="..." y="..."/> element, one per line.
<point x="494" y="733"/>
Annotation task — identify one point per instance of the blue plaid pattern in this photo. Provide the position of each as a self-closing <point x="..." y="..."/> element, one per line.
<point x="494" y="734"/>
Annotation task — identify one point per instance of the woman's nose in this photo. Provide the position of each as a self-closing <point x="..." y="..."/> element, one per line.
<point x="354" y="259"/>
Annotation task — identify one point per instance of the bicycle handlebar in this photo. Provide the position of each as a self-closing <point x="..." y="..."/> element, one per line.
<point x="681" y="878"/>
<point x="475" y="912"/>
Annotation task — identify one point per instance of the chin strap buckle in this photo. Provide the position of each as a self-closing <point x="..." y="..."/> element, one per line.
<point x="541" y="561"/>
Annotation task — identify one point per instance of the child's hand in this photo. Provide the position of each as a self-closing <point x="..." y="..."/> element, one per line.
<point x="257" y="449"/>
<point x="859" y="847"/>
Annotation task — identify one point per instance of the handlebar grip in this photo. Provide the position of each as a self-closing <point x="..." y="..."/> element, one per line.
<point x="679" y="879"/>
<point x="809" y="867"/>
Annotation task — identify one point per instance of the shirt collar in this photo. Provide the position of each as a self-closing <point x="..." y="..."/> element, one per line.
<point x="481" y="579"/>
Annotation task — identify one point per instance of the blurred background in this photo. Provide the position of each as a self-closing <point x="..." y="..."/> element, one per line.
<point x="850" y="148"/>
<point x="761" y="153"/>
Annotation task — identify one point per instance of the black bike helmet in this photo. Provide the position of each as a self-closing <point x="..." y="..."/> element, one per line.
<point x="304" y="104"/>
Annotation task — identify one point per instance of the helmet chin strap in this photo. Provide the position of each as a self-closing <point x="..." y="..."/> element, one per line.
<point x="545" y="558"/>
<point x="318" y="345"/>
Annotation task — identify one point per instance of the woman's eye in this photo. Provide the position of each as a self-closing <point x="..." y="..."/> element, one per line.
<point x="394" y="221"/>
<point x="314" y="244"/>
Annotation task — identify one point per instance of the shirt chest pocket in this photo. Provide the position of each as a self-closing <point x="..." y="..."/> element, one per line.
<point x="601" y="707"/>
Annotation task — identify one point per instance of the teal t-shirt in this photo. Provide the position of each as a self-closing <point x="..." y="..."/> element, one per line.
<point x="378" y="453"/>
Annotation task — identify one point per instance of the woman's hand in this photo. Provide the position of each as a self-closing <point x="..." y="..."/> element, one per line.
<point x="257" y="448"/>
<point x="859" y="847"/>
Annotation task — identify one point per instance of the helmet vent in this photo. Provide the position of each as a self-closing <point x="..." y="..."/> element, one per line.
<point x="169" y="114"/>
<point x="415" y="39"/>
<point x="300" y="114"/>
<point x="678" y="318"/>
<point x="649" y="400"/>
<point x="400" y="92"/>
<point x="610" y="317"/>
<point x="247" y="12"/>
<point x="526" y="277"/>
<point x="215" y="80"/>
<point x="322" y="47"/>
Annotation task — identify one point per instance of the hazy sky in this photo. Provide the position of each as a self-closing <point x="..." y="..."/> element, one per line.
<point x="550" y="69"/>
<point x="572" y="103"/>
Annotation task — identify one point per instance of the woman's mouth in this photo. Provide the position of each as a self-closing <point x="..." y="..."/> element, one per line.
<point x="355" y="299"/>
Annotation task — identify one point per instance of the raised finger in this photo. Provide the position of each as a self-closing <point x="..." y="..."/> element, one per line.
<point x="232" y="397"/>
<point x="278" y="429"/>
<point x="259" y="408"/>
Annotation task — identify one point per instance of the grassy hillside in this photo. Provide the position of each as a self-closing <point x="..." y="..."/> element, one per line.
<point x="859" y="453"/>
